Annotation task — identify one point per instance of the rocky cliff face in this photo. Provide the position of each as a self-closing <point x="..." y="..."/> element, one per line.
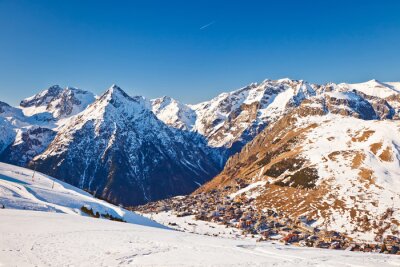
<point x="230" y="120"/>
<point x="27" y="144"/>
<point x="121" y="152"/>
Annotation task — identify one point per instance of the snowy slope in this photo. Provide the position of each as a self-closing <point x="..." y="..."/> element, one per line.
<point x="342" y="171"/>
<point x="43" y="193"/>
<point x="48" y="239"/>
<point x="360" y="170"/>
<point x="375" y="88"/>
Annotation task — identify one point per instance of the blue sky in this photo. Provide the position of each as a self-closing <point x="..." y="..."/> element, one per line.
<point x="193" y="50"/>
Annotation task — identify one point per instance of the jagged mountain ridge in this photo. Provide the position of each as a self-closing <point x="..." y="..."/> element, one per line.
<point x="27" y="130"/>
<point x="215" y="129"/>
<point x="119" y="150"/>
<point x="230" y="120"/>
<point x="57" y="102"/>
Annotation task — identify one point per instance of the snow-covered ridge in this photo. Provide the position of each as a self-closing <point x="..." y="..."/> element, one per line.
<point x="59" y="102"/>
<point x="25" y="189"/>
<point x="237" y="116"/>
<point x="375" y="88"/>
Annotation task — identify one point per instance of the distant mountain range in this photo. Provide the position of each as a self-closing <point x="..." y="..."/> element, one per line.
<point x="132" y="150"/>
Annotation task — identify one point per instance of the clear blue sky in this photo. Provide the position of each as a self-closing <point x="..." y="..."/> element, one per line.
<point x="193" y="50"/>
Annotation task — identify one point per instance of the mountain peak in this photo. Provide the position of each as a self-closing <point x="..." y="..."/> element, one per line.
<point x="115" y="87"/>
<point x="119" y="99"/>
<point x="58" y="101"/>
<point x="374" y="82"/>
<point x="40" y="98"/>
<point x="116" y="91"/>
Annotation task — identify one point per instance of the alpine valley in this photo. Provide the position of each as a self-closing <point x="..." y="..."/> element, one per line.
<point x="329" y="152"/>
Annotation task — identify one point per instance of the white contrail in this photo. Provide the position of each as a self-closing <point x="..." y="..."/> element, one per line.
<point x="207" y="25"/>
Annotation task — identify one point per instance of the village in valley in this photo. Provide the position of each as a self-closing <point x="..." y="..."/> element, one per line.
<point x="238" y="213"/>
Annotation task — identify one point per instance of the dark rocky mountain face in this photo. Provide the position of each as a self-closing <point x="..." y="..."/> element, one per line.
<point x="44" y="98"/>
<point x="121" y="152"/>
<point x="27" y="145"/>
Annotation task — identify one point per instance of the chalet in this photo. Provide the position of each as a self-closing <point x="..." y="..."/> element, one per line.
<point x="220" y="208"/>
<point x="290" y="238"/>
<point x="161" y="208"/>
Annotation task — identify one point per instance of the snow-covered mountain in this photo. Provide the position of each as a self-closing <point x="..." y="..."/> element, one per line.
<point x="7" y="134"/>
<point x="235" y="118"/>
<point x="28" y="143"/>
<point x="334" y="159"/>
<point x="43" y="223"/>
<point x="232" y="119"/>
<point x="57" y="102"/>
<point x="174" y="113"/>
<point x="27" y="130"/>
<point x="121" y="152"/>
<point x="132" y="150"/>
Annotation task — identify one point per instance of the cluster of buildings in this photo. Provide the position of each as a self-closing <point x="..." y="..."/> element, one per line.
<point x="239" y="212"/>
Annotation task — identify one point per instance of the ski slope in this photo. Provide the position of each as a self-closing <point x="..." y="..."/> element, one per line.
<point x="20" y="189"/>
<point x="53" y="239"/>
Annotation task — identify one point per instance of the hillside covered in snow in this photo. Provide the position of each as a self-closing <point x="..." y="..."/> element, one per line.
<point x="25" y="189"/>
<point x="341" y="172"/>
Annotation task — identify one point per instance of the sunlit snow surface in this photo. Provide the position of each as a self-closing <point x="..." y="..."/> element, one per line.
<point x="52" y="239"/>
<point x="19" y="191"/>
